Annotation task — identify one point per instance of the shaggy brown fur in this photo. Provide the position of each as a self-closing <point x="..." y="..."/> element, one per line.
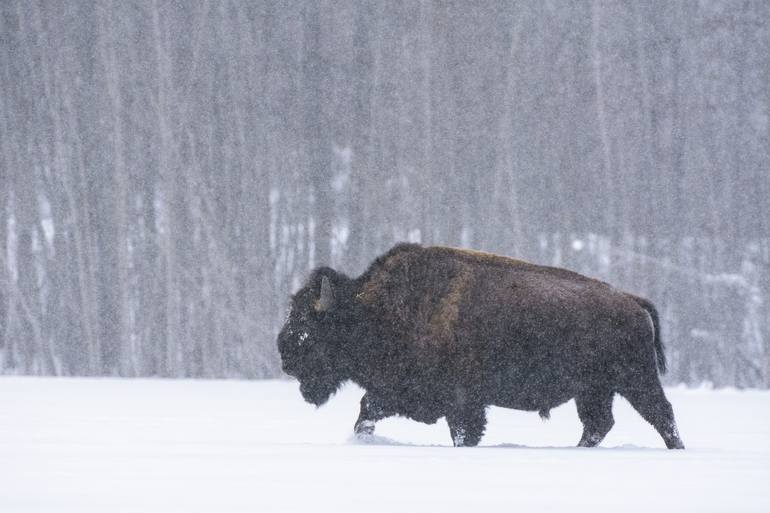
<point x="437" y="331"/>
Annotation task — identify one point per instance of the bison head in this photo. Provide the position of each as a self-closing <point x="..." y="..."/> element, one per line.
<point x="310" y="341"/>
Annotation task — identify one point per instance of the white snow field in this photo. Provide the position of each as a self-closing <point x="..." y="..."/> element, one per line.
<point x="109" y="445"/>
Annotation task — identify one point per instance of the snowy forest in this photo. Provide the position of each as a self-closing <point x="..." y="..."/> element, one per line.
<point x="171" y="171"/>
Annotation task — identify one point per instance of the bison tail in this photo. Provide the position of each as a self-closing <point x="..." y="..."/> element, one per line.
<point x="660" y="355"/>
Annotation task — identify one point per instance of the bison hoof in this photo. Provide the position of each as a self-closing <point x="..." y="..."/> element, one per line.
<point x="671" y="437"/>
<point x="463" y="438"/>
<point x="365" y="427"/>
<point x="675" y="444"/>
<point x="590" y="440"/>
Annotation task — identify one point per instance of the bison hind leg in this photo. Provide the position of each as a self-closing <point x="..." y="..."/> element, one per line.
<point x="652" y="404"/>
<point x="466" y="425"/>
<point x="595" y="412"/>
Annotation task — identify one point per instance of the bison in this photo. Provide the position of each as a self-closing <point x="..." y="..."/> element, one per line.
<point x="431" y="332"/>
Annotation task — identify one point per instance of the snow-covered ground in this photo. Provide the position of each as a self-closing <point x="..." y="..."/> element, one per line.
<point x="106" y="445"/>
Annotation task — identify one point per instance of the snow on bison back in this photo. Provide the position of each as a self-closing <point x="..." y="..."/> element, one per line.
<point x="433" y="332"/>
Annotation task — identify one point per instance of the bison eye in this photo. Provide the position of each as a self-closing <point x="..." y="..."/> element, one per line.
<point x="302" y="337"/>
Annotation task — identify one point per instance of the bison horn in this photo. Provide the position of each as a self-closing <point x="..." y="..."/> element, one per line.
<point x="327" y="296"/>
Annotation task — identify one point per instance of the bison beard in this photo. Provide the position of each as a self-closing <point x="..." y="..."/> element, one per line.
<point x="441" y="332"/>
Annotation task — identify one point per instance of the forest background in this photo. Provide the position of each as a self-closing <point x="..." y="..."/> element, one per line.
<point x="170" y="171"/>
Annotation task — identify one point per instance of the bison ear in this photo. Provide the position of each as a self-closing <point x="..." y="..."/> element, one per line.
<point x="326" y="299"/>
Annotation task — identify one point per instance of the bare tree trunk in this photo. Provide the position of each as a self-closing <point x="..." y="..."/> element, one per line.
<point x="31" y="244"/>
<point x="359" y="240"/>
<point x="119" y="310"/>
<point x="317" y="139"/>
<point x="645" y="221"/>
<point x="601" y="115"/>
<point x="7" y="360"/>
<point x="507" y="187"/>
<point x="73" y="200"/>
<point x="170" y="197"/>
<point x="427" y="167"/>
<point x="27" y="275"/>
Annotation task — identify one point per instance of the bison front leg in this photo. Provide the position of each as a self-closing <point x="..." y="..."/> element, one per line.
<point x="466" y="425"/>
<point x="372" y="410"/>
